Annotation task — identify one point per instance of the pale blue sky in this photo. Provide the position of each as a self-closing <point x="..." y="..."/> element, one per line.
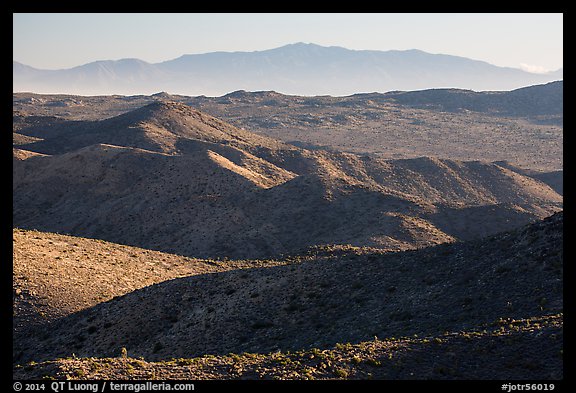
<point x="52" y="41"/>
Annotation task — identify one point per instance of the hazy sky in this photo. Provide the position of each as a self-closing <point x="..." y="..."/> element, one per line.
<point x="51" y="41"/>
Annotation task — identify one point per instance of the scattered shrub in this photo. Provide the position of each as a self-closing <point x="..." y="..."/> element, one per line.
<point x="341" y="373"/>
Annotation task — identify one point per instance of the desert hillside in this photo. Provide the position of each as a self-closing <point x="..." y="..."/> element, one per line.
<point x="56" y="275"/>
<point x="246" y="216"/>
<point x="528" y="349"/>
<point x="523" y="126"/>
<point x="190" y="184"/>
<point x="317" y="303"/>
<point x="164" y="242"/>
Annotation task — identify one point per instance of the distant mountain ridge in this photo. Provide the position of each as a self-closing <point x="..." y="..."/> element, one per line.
<point x="546" y="99"/>
<point x="304" y="69"/>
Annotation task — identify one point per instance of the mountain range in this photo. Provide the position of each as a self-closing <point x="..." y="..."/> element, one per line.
<point x="303" y="69"/>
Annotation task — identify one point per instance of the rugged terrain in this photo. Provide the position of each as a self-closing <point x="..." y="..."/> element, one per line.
<point x="528" y="348"/>
<point x="56" y="275"/>
<point x="191" y="184"/>
<point x="522" y="126"/>
<point x="154" y="240"/>
<point x="440" y="312"/>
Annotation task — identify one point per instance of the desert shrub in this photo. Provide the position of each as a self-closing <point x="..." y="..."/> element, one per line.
<point x="341" y="373"/>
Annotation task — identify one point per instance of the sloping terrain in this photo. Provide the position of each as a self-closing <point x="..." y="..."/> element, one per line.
<point x="313" y="262"/>
<point x="530" y="102"/>
<point x="316" y="304"/>
<point x="190" y="184"/>
<point x="56" y="275"/>
<point x="554" y="179"/>
<point x="159" y="127"/>
<point x="544" y="102"/>
<point x="522" y="126"/>
<point x="529" y="349"/>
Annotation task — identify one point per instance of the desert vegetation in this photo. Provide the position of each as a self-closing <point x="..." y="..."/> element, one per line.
<point x="264" y="236"/>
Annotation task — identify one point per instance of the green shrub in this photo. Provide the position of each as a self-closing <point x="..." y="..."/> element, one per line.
<point x="341" y="373"/>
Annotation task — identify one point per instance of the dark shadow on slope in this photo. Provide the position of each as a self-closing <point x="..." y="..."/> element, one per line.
<point x="451" y="287"/>
<point x="69" y="136"/>
<point x="469" y="223"/>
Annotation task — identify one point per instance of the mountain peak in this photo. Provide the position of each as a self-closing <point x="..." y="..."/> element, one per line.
<point x="298" y="68"/>
<point x="302" y="45"/>
<point x="162" y="126"/>
<point x="164" y="103"/>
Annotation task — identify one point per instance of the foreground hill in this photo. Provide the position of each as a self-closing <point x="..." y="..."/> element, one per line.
<point x="194" y="185"/>
<point x="56" y="275"/>
<point x="316" y="304"/>
<point x="525" y="349"/>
